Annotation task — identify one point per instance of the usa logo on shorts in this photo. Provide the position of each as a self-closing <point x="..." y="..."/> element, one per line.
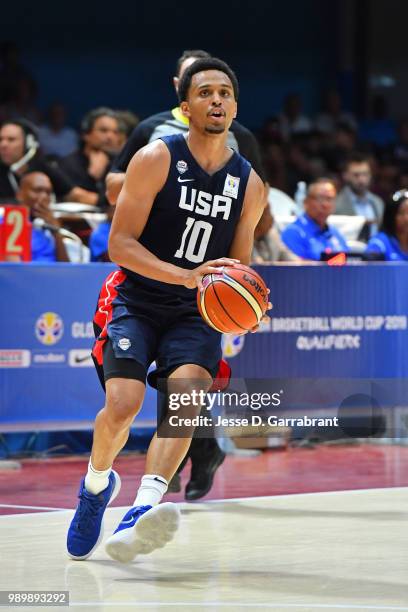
<point x="124" y="344"/>
<point x="49" y="328"/>
<point x="182" y="166"/>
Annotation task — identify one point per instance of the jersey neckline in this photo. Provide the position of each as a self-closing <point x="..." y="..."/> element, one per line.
<point x="200" y="168"/>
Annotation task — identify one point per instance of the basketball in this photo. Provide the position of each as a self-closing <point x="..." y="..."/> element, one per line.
<point x="234" y="300"/>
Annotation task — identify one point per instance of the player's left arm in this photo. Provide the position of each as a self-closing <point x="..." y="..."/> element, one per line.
<point x="252" y="210"/>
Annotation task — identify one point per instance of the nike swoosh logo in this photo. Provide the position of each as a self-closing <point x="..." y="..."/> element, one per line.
<point x="81" y="359"/>
<point x="180" y="180"/>
<point x="128" y="521"/>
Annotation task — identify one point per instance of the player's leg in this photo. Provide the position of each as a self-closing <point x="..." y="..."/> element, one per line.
<point x="165" y="454"/>
<point x="124" y="398"/>
<point x="190" y="352"/>
<point x="149" y="525"/>
<point x="206" y="457"/>
<point x="205" y="454"/>
<point x="125" y="386"/>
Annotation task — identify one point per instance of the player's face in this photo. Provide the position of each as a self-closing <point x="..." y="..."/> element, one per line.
<point x="11" y="144"/>
<point x="211" y="104"/>
<point x="320" y="202"/>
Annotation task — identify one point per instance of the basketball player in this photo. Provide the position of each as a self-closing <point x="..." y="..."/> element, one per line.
<point x="205" y="454"/>
<point x="188" y="207"/>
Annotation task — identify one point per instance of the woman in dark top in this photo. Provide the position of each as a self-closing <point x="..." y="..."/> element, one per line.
<point x="392" y="240"/>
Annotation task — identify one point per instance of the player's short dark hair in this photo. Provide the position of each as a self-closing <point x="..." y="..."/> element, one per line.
<point x="89" y="119"/>
<point x="212" y="63"/>
<point x="197" y="53"/>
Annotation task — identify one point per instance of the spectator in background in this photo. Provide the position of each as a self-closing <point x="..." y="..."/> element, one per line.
<point x="392" y="240"/>
<point x="333" y="115"/>
<point x="299" y="165"/>
<point x="89" y="166"/>
<point x="127" y="123"/>
<point x="269" y="132"/>
<point x="355" y="197"/>
<point x="19" y="154"/>
<point x="274" y="163"/>
<point x="23" y="105"/>
<point x="291" y="120"/>
<point x="339" y="147"/>
<point x="386" y="179"/>
<point x="310" y="236"/>
<point x="268" y="246"/>
<point x="99" y="239"/>
<point x="56" y="138"/>
<point x="35" y="193"/>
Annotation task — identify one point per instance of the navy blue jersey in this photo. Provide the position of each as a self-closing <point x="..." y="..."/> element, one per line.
<point x="194" y="216"/>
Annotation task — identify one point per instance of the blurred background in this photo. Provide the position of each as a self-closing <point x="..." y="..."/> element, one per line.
<point x="345" y="58"/>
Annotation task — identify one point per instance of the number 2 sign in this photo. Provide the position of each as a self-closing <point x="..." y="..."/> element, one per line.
<point x="15" y="234"/>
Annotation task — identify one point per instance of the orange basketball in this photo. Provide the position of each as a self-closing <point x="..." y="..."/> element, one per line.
<point x="233" y="300"/>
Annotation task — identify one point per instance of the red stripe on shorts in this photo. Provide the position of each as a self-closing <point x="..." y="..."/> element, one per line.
<point x="222" y="378"/>
<point x="103" y="314"/>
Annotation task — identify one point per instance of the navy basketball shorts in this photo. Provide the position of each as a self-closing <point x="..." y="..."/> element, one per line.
<point x="136" y="327"/>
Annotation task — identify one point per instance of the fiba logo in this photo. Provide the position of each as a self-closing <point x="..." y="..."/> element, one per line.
<point x="232" y="345"/>
<point x="49" y="328"/>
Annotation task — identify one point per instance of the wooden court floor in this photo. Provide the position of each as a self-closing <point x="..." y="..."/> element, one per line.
<point x="52" y="483"/>
<point x="307" y="552"/>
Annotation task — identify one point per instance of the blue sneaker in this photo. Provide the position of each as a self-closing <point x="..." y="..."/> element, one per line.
<point x="142" y="530"/>
<point x="86" y="529"/>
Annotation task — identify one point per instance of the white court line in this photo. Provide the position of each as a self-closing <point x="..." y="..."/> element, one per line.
<point x="234" y="604"/>
<point x="290" y="495"/>
<point x="212" y="501"/>
<point x="31" y="507"/>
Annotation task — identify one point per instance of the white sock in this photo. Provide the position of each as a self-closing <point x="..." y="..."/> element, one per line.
<point x="151" y="490"/>
<point x="96" y="480"/>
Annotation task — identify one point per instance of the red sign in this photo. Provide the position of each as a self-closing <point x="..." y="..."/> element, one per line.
<point x="15" y="234"/>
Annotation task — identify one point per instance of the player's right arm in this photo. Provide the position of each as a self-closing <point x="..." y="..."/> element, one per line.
<point x="145" y="177"/>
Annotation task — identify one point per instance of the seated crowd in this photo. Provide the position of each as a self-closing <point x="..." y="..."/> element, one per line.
<point x="53" y="164"/>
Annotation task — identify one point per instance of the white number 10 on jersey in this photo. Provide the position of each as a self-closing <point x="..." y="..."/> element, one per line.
<point x="196" y="235"/>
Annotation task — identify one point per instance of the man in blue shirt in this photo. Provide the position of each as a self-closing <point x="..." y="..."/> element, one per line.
<point x="35" y="193"/>
<point x="310" y="236"/>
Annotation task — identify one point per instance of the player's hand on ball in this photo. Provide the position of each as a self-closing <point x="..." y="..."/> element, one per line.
<point x="194" y="277"/>
<point x="264" y="319"/>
